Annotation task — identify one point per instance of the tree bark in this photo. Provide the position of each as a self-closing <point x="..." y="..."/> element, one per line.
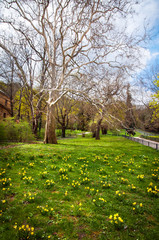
<point x="98" y="129"/>
<point x="50" y="134"/>
<point x="63" y="131"/>
<point x="35" y="125"/>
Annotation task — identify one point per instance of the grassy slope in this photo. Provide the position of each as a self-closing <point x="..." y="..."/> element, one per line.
<point x="86" y="175"/>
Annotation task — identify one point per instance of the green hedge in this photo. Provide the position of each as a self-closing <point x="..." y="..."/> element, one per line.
<point x="12" y="131"/>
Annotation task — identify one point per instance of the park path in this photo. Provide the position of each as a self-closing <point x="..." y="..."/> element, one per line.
<point x="145" y="142"/>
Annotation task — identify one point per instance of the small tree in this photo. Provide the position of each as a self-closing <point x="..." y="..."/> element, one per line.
<point x="154" y="104"/>
<point x="63" y="112"/>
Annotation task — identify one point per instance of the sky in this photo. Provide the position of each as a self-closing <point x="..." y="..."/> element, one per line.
<point x="148" y="15"/>
<point x="148" y="12"/>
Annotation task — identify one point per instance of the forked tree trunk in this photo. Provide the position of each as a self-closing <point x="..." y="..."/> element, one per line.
<point x="50" y="134"/>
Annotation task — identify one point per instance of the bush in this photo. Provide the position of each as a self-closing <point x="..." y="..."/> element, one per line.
<point x="13" y="131"/>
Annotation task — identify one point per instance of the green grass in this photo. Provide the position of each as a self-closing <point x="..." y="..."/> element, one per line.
<point x="152" y="138"/>
<point x="74" y="189"/>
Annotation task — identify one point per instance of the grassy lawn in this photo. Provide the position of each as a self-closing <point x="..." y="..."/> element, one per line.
<point x="80" y="189"/>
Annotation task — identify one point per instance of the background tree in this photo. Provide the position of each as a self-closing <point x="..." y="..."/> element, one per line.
<point x="107" y="97"/>
<point x="129" y="116"/>
<point x="31" y="73"/>
<point x="10" y="82"/>
<point x="155" y="101"/>
<point x="64" y="108"/>
<point x="146" y="112"/>
<point x="85" y="113"/>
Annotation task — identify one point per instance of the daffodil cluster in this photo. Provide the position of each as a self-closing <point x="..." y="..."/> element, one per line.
<point x="155" y="174"/>
<point x="63" y="171"/>
<point x="118" y="172"/>
<point x="132" y="187"/>
<point x="30" y="197"/>
<point x="69" y="167"/>
<point x="75" y="184"/>
<point x="46" y="211"/>
<point x="31" y="165"/>
<point x="91" y="191"/>
<point x="119" y="194"/>
<point x="124" y="180"/>
<point x="49" y="183"/>
<point x="81" y="158"/>
<point x="44" y="174"/>
<point x="137" y="207"/>
<point x="153" y="190"/>
<point x="131" y="170"/>
<point x="23" y="173"/>
<point x="24" y="231"/>
<point x="64" y="177"/>
<point x="99" y="201"/>
<point x="66" y="158"/>
<point x="118" y="158"/>
<point x="3" y="172"/>
<point x="105" y="184"/>
<point x="140" y="177"/>
<point x="96" y="158"/>
<point x="116" y="220"/>
<point x="77" y="209"/>
<point x="85" y="180"/>
<point x="53" y="167"/>
<point x="5" y="182"/>
<point x="28" y="179"/>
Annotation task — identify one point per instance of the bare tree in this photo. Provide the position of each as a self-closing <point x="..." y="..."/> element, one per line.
<point x="9" y="77"/>
<point x="77" y="35"/>
<point x="30" y="71"/>
<point x="63" y="112"/>
<point x="108" y="97"/>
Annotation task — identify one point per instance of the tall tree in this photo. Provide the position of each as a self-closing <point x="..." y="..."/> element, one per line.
<point x="129" y="116"/>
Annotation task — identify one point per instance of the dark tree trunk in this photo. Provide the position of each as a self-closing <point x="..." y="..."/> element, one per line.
<point x="63" y="131"/>
<point x="35" y="125"/>
<point x="19" y="108"/>
<point x="98" y="129"/>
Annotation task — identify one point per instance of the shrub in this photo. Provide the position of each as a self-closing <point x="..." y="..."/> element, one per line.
<point x="13" y="131"/>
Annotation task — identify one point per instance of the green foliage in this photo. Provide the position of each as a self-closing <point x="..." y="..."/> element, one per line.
<point x="154" y="104"/>
<point x="13" y="131"/>
<point x="3" y="136"/>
